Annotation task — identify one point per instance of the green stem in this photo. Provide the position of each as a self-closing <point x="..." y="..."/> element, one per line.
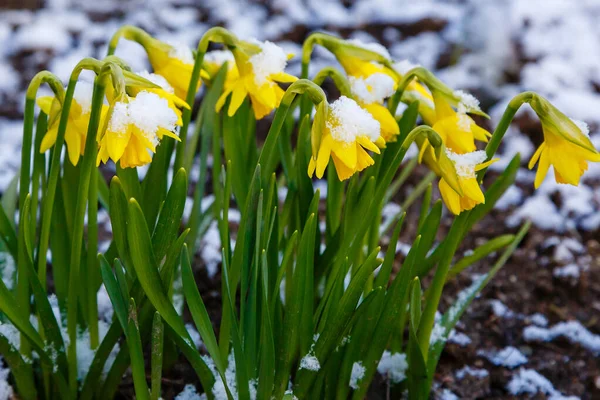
<point x="55" y="165"/>
<point x="216" y="34"/>
<point x="92" y="266"/>
<point x="502" y="127"/>
<point x="88" y="162"/>
<point x="268" y="156"/>
<point x="24" y="185"/>
<point x="340" y="81"/>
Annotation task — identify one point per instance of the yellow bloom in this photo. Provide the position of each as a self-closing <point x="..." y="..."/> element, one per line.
<point x="166" y="91"/>
<point x="348" y="131"/>
<point x="259" y="68"/>
<point x="567" y="148"/>
<point x="77" y="124"/>
<point x="174" y="62"/>
<point x="135" y="127"/>
<point x="370" y="93"/>
<point x="466" y="165"/>
<point x="457" y="130"/>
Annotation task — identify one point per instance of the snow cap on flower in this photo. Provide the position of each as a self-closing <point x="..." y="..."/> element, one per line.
<point x="465" y="163"/>
<point x="347" y="120"/>
<point x="373" y="89"/>
<point x="271" y="60"/>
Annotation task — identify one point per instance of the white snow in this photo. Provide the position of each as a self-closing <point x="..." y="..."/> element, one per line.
<point x="181" y="52"/>
<point x="358" y="372"/>
<point x="374" y="89"/>
<point x="347" y="121"/>
<point x="218" y="389"/>
<point x="310" y="362"/>
<point x="393" y="366"/>
<point x="475" y="372"/>
<point x="509" y="357"/>
<point x="11" y="333"/>
<point x="573" y="331"/>
<point x="149" y="112"/>
<point x="529" y="381"/>
<point x="194" y="335"/>
<point x="6" y="390"/>
<point x="219" y="57"/>
<point x="8" y="267"/>
<point x="571" y="271"/>
<point x="465" y="163"/>
<point x="270" y="60"/>
<point x="447" y="394"/>
<point x="105" y="307"/>
<point x="467" y="102"/>
<point x="189" y="393"/>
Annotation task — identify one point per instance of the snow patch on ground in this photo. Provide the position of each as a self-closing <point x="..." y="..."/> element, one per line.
<point x="509" y="357"/>
<point x="573" y="331"/>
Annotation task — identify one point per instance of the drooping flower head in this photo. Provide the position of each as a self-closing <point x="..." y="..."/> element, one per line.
<point x="260" y="67"/>
<point x="466" y="165"/>
<point x="456" y="128"/>
<point x="348" y="131"/>
<point x="175" y="62"/>
<point x="567" y="148"/>
<point x="371" y="82"/>
<point x="77" y="124"/>
<point x="135" y="126"/>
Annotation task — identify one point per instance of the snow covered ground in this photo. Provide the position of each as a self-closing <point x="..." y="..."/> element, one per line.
<point x="494" y="49"/>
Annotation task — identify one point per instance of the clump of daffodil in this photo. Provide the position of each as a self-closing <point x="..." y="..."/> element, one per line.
<point x="135" y="126"/>
<point x="343" y="131"/>
<point x="260" y="67"/>
<point x="566" y="147"/>
<point x="465" y="165"/>
<point x="77" y="124"/>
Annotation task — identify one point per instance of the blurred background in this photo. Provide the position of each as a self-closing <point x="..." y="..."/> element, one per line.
<point x="494" y="49"/>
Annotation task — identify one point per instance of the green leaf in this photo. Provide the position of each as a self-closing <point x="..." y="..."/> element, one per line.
<point x="452" y="316"/>
<point x="479" y="253"/>
<point x="146" y="269"/>
<point x="21" y="371"/>
<point x="337" y="322"/>
<point x="266" y="376"/>
<point x="7" y="233"/>
<point x="157" y="355"/>
<point x="118" y="221"/>
<point x="199" y="312"/>
<point x="115" y="293"/>
<point x="154" y="186"/>
<point x="134" y="343"/>
<point x="386" y="268"/>
<point x="9" y="199"/>
<point x="293" y="312"/>
<point x="417" y="368"/>
<point x="169" y="219"/>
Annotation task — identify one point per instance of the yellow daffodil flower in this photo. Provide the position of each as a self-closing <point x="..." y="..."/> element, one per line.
<point x="166" y="91"/>
<point x="77" y="124"/>
<point x="347" y="133"/>
<point x="466" y="166"/>
<point x="135" y="127"/>
<point x="174" y="62"/>
<point x="567" y="148"/>
<point x="260" y="67"/>
<point x="457" y="130"/>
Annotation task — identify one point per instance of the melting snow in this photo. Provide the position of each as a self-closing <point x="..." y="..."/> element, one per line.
<point x="529" y="381"/>
<point x="509" y="357"/>
<point x="573" y="331"/>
